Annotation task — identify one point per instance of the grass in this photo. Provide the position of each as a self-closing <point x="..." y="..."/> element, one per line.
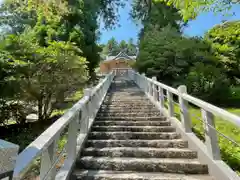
<point x="69" y="102"/>
<point x="75" y="96"/>
<point x="230" y="152"/>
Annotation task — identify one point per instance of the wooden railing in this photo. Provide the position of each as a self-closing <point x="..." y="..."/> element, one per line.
<point x="76" y="122"/>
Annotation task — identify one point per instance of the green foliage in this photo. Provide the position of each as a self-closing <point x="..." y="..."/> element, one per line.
<point x="47" y="49"/>
<point x="175" y="59"/>
<point x="113" y="47"/>
<point x="171" y="58"/>
<point x="42" y="76"/>
<point x="75" y="21"/>
<point x="191" y="8"/>
<point x="75" y="96"/>
<point x="225" y="41"/>
<point x="208" y="83"/>
<point x="155" y="14"/>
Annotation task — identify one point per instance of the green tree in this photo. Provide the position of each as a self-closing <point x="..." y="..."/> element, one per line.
<point x="159" y="15"/>
<point x="131" y="48"/>
<point x="111" y="47"/>
<point x="225" y="41"/>
<point x="9" y="89"/>
<point x="75" y="21"/>
<point x="123" y="45"/>
<point x="42" y="57"/>
<point x="177" y="60"/>
<point x="191" y="8"/>
<point x="209" y="83"/>
<point x="44" y="70"/>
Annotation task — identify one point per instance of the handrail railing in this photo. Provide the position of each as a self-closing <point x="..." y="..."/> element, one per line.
<point x="200" y="103"/>
<point x="159" y="92"/>
<point x="79" y="118"/>
<point x="78" y="121"/>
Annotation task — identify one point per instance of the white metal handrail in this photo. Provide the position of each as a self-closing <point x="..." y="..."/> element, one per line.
<point x="156" y="90"/>
<point x="78" y="121"/>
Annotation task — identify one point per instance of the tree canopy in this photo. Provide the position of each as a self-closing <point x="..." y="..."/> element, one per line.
<point x="191" y="8"/>
<point x="48" y="48"/>
<point x="174" y="59"/>
<point x="113" y="47"/>
<point x="225" y="41"/>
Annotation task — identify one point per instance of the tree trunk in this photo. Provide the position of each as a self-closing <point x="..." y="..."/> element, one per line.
<point x="47" y="107"/>
<point x="40" y="109"/>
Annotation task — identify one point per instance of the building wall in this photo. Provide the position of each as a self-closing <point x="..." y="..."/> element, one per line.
<point x="106" y="67"/>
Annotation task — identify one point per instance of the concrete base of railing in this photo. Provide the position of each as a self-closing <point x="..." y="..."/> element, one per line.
<point x="217" y="168"/>
<point x="8" y="155"/>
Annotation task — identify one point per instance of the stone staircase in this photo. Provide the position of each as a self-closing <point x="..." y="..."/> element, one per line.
<point x="130" y="140"/>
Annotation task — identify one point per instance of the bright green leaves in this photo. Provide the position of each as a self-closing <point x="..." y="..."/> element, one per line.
<point x="41" y="62"/>
<point x="191" y="8"/>
<point x="225" y="41"/>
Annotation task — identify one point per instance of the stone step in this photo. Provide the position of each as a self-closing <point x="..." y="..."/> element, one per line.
<point x="134" y="128"/>
<point x="128" y="103"/>
<point x="140" y="152"/>
<point x="133" y="103"/>
<point x="134" y="95"/>
<point x="126" y="122"/>
<point x="130" y="106"/>
<point x="170" y="143"/>
<point x="125" y="99"/>
<point x="134" y="135"/>
<point x="131" y="114"/>
<point x="182" y="166"/>
<point x="130" y="175"/>
<point x="128" y="109"/>
<point x="117" y="90"/>
<point x="129" y="118"/>
<point x="136" y="106"/>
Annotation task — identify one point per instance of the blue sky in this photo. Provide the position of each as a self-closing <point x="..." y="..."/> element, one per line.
<point x="197" y="27"/>
<point x="127" y="30"/>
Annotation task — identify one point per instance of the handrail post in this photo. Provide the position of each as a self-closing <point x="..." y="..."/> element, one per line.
<point x="161" y="97"/>
<point x="48" y="159"/>
<point x="72" y="137"/>
<point x="142" y="82"/>
<point x="86" y="113"/>
<point x="170" y="104"/>
<point x="150" y="88"/>
<point x="94" y="104"/>
<point x="155" y="89"/>
<point x="185" y="119"/>
<point x="211" y="139"/>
